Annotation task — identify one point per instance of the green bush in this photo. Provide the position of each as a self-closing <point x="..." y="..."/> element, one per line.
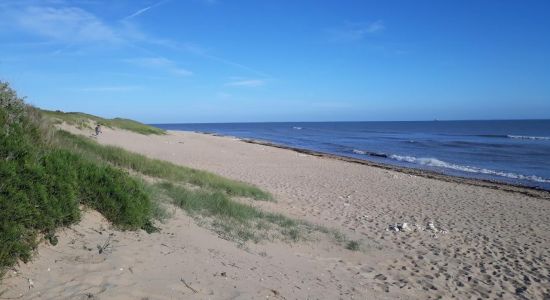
<point x="112" y="192"/>
<point x="42" y="186"/>
<point x="34" y="197"/>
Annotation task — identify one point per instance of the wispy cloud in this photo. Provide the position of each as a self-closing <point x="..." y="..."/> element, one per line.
<point x="137" y="13"/>
<point x="77" y="30"/>
<point x="143" y="10"/>
<point x="246" y="82"/>
<point x="66" y="24"/>
<point x="160" y="63"/>
<point x="69" y="25"/>
<point x="355" y="31"/>
<point x="205" y="53"/>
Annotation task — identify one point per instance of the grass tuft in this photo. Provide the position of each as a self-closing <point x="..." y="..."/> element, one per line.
<point x="234" y="220"/>
<point x="352" y="245"/>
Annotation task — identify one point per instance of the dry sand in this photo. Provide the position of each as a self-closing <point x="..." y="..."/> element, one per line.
<point x="491" y="243"/>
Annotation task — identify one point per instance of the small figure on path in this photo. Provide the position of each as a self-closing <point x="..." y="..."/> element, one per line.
<point x="97" y="130"/>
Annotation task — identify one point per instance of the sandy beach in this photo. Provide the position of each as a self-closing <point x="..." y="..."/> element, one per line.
<point x="487" y="242"/>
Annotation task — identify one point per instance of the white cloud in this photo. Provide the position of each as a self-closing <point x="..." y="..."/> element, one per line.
<point x="355" y="31"/>
<point x="247" y="83"/>
<point x="71" y="28"/>
<point x="160" y="63"/>
<point x="67" y="24"/>
<point x="182" y="72"/>
<point x="374" y="27"/>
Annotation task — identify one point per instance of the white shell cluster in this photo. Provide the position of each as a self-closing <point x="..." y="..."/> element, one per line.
<point x="397" y="227"/>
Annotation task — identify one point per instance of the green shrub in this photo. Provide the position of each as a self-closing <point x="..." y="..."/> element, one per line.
<point x="119" y="197"/>
<point x="42" y="186"/>
<point x="352" y="245"/>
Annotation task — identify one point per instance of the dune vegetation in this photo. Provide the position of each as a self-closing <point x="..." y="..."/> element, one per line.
<point x="42" y="185"/>
<point x="156" y="168"/>
<point x="82" y="120"/>
<point x="47" y="175"/>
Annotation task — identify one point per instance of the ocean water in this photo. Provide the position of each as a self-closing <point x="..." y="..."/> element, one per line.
<point x="514" y="151"/>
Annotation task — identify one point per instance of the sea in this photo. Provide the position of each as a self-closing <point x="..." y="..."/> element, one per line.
<point x="511" y="151"/>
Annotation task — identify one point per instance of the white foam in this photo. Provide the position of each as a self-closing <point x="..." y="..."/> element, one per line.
<point x="526" y="137"/>
<point x="297" y="128"/>
<point x="433" y="162"/>
<point x="359" y="152"/>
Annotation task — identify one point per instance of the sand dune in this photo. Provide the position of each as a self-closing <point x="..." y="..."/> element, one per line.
<point x="488" y="244"/>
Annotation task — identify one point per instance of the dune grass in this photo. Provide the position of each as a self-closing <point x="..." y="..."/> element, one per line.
<point x="235" y="220"/>
<point x="82" y="120"/>
<point x="242" y="222"/>
<point x="158" y="168"/>
<point x="199" y="193"/>
<point x="42" y="186"/>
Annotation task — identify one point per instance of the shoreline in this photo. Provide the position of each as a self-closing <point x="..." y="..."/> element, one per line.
<point x="488" y="183"/>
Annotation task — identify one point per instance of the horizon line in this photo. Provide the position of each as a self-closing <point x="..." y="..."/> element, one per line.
<point x="435" y="120"/>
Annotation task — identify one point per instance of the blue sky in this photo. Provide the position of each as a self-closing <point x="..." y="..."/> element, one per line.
<point x="244" y="61"/>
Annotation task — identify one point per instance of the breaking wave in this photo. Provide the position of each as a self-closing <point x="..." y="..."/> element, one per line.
<point x="361" y="152"/>
<point x="525" y="137"/>
<point x="433" y="162"/>
<point x="512" y="136"/>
